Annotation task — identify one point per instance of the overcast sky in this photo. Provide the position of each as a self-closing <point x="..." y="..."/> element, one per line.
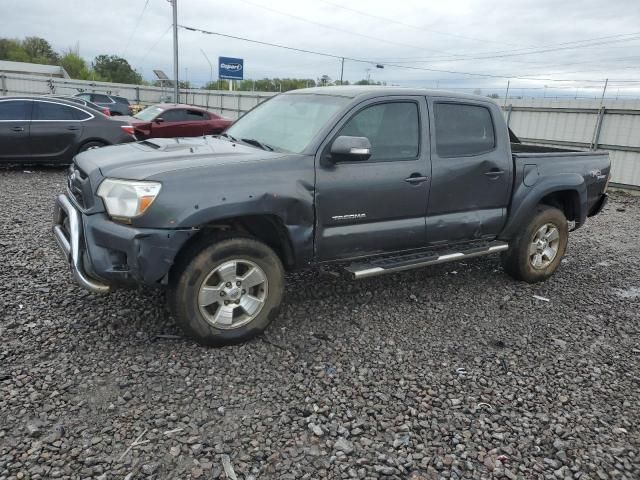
<point x="493" y="37"/>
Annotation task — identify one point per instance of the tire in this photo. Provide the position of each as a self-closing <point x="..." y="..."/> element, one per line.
<point x="533" y="262"/>
<point x="206" y="273"/>
<point x="90" y="145"/>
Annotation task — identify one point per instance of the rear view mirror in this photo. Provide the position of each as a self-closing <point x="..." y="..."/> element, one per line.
<point x="159" y="120"/>
<point x="345" y="148"/>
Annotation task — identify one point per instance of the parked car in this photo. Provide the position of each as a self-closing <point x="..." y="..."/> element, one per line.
<point x="381" y="180"/>
<point x="52" y="130"/>
<point x="86" y="103"/>
<point x="116" y="105"/>
<point x="176" y="120"/>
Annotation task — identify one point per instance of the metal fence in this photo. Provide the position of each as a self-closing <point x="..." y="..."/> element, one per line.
<point x="583" y="124"/>
<point x="574" y="123"/>
<point x="229" y="104"/>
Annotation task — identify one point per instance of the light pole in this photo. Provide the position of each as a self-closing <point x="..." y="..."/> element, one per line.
<point x="176" y="90"/>
<point x="210" y="67"/>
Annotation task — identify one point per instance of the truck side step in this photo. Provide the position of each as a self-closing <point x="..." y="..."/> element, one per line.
<point x="408" y="261"/>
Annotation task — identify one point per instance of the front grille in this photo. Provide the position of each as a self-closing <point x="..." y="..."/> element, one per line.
<point x="78" y="186"/>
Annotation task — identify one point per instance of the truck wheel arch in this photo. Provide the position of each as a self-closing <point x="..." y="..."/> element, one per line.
<point x="566" y="192"/>
<point x="567" y="201"/>
<point x="269" y="229"/>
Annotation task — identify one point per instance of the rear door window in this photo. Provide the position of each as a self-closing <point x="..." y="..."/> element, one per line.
<point x="48" y="111"/>
<point x="175" y="115"/>
<point x="99" y="98"/>
<point x="16" y="110"/>
<point x="196" y="115"/>
<point x="463" y="130"/>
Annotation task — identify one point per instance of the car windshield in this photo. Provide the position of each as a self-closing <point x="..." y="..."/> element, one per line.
<point x="287" y="122"/>
<point x="148" y="113"/>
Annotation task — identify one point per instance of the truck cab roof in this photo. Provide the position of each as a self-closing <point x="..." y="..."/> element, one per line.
<point x="369" y="91"/>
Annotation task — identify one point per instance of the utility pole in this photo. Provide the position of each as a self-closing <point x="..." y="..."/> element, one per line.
<point x="506" y="95"/>
<point x="341" y="70"/>
<point x="210" y="67"/>
<point x="604" y="90"/>
<point x="176" y="88"/>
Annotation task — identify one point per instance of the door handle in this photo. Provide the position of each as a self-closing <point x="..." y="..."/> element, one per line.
<point x="73" y="127"/>
<point x="17" y="129"/>
<point x="494" y="173"/>
<point x="416" y="178"/>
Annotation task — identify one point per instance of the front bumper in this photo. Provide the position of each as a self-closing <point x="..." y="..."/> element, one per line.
<point x="67" y="229"/>
<point x="104" y="254"/>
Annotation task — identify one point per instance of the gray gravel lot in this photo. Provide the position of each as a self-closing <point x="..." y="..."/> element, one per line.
<point x="449" y="372"/>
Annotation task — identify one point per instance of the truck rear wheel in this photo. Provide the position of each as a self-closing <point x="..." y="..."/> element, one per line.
<point x="227" y="292"/>
<point x="536" y="253"/>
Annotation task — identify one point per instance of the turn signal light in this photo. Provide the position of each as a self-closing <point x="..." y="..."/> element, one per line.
<point x="129" y="130"/>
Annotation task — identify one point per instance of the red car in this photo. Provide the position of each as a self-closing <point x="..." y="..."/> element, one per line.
<point x="176" y="120"/>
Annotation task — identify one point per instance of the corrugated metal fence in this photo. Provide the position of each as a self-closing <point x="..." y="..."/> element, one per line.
<point x="229" y="104"/>
<point x="580" y="124"/>
<point x="583" y="124"/>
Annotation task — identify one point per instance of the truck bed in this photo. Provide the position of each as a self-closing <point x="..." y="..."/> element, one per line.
<point x="528" y="148"/>
<point x="576" y="169"/>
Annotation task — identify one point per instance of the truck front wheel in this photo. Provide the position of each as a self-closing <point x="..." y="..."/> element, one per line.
<point x="537" y="252"/>
<point x="227" y="292"/>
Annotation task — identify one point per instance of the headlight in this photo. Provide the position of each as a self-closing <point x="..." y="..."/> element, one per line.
<point x="125" y="199"/>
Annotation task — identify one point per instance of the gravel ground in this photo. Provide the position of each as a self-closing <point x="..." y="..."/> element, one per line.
<point x="449" y="372"/>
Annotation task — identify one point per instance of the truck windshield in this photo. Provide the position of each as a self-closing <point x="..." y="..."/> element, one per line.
<point x="287" y="122"/>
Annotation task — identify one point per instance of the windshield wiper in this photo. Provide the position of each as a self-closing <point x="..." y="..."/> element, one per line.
<point x="226" y="135"/>
<point x="258" y="143"/>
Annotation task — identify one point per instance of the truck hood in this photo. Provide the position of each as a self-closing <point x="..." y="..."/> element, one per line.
<point x="140" y="160"/>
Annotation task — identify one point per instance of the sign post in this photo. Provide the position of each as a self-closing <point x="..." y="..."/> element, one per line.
<point x="230" y="69"/>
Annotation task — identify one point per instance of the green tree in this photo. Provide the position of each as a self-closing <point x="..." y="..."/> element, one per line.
<point x="115" y="69"/>
<point x="263" y="85"/>
<point x="75" y="65"/>
<point x="12" y="50"/>
<point x="368" y="82"/>
<point x="217" y="85"/>
<point x="324" y="80"/>
<point x="39" y="51"/>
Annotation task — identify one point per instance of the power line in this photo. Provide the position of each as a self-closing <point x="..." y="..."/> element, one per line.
<point x="408" y="67"/>
<point x="398" y="22"/>
<point x="155" y="44"/>
<point x="520" y="53"/>
<point x="386" y="19"/>
<point x="457" y="57"/>
<point x="338" y="29"/>
<point x="135" y="27"/>
<point x="447" y="57"/>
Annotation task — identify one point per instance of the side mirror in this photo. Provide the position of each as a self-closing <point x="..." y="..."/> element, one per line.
<point x="349" y="149"/>
<point x="159" y="120"/>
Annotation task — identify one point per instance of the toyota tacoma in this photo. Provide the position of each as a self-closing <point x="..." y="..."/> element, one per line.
<point x="376" y="180"/>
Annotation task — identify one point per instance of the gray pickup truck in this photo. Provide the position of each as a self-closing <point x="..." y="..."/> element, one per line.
<point x="376" y="180"/>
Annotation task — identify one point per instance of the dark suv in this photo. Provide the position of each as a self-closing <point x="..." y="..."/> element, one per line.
<point x="117" y="105"/>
